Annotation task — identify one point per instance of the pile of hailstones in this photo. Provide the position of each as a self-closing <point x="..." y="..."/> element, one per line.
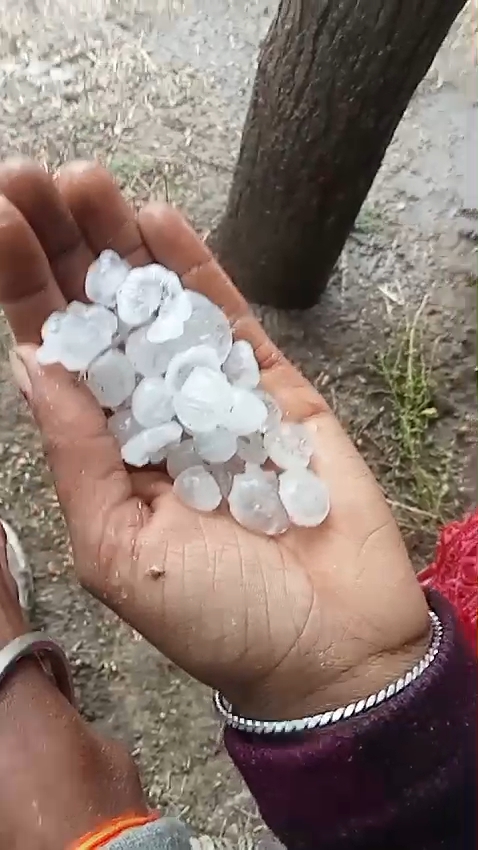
<point x="161" y="360"/>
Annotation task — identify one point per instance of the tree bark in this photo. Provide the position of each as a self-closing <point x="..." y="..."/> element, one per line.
<point x="333" y="80"/>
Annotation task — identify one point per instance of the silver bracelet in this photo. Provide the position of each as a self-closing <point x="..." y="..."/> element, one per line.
<point x="47" y="651"/>
<point x="275" y="727"/>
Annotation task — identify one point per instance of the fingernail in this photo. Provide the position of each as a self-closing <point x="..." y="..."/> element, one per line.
<point x="20" y="373"/>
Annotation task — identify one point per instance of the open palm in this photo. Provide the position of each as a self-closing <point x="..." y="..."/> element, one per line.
<point x="281" y="624"/>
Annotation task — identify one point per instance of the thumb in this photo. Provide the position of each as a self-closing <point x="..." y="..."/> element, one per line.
<point x="90" y="478"/>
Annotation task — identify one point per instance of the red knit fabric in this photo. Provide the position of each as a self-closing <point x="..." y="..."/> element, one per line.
<point x="455" y="571"/>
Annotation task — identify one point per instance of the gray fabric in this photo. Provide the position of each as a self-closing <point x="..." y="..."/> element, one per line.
<point x="163" y="834"/>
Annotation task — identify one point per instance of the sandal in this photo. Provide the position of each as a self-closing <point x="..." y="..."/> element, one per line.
<point x="19" y="567"/>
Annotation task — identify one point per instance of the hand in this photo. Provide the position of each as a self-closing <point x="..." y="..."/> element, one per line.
<point x="51" y="761"/>
<point x="283" y="627"/>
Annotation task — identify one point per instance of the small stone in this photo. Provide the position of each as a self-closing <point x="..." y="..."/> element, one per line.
<point x="288" y="445"/>
<point x="246" y="414"/>
<point x="197" y="489"/>
<point x="216" y="446"/>
<point x="155" y="572"/>
<point x="111" y="379"/>
<point x="305" y="497"/>
<point x="254" y="503"/>
<point x="152" y="403"/>
<point x="104" y="278"/>
<point x="241" y="367"/>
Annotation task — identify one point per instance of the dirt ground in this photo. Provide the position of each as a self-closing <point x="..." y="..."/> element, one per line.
<point x="159" y="91"/>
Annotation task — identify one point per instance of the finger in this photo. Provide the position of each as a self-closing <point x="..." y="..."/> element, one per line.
<point x="93" y="487"/>
<point x="32" y="191"/>
<point x="174" y="243"/>
<point x="100" y="211"/>
<point x="28" y="290"/>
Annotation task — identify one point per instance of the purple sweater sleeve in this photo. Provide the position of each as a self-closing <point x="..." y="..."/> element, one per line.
<point x="400" y="778"/>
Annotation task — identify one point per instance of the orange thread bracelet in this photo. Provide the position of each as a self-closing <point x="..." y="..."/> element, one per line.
<point x="95" y="840"/>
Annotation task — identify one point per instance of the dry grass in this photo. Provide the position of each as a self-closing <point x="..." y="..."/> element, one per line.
<point x="406" y="368"/>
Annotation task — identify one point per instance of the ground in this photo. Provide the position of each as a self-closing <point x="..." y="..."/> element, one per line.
<point x="159" y="93"/>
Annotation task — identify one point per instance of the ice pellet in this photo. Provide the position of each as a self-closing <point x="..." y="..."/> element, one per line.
<point x="197" y="489"/>
<point x="123" y="425"/>
<point x="162" y="435"/>
<point x="149" y="359"/>
<point x="182" y="364"/>
<point x="143" y="292"/>
<point x="102" y="318"/>
<point x="288" y="445"/>
<point x="254" y="470"/>
<point x="162" y="454"/>
<point x="222" y="476"/>
<point x="139" y="449"/>
<point x="251" y="448"/>
<point x="75" y="339"/>
<point x="224" y="473"/>
<point x="111" y="378"/>
<point x="216" y="446"/>
<point x="207" y="326"/>
<point x="104" y="278"/>
<point x="254" y="503"/>
<point x="170" y="322"/>
<point x="135" y="451"/>
<point x="152" y="403"/>
<point x="163" y="359"/>
<point x="305" y="496"/>
<point x="181" y="457"/>
<point x="246" y="414"/>
<point x="274" y="413"/>
<point x="241" y="366"/>
<point x="203" y="401"/>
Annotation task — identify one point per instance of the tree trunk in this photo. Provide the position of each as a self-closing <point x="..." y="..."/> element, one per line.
<point x="333" y="81"/>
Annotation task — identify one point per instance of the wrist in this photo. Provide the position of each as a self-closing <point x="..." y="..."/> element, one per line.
<point x="335" y="713"/>
<point x="372" y="675"/>
<point x="47" y="752"/>
<point x="293" y="696"/>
